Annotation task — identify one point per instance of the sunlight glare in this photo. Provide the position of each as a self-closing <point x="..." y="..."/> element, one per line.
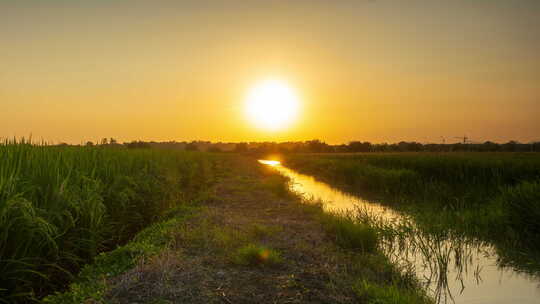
<point x="271" y="105"/>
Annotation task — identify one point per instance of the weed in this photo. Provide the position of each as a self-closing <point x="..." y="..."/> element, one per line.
<point x="521" y="204"/>
<point x="255" y="255"/>
<point x="350" y="234"/>
<point x="387" y="294"/>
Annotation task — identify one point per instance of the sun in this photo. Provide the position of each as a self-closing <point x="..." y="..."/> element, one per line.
<point x="272" y="104"/>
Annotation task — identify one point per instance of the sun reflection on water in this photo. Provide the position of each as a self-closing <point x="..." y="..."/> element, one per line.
<point x="269" y="162"/>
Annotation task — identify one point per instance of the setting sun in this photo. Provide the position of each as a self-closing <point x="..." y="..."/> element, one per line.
<point x="272" y="105"/>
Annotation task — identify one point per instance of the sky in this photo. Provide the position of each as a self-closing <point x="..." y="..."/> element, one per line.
<point x="373" y="70"/>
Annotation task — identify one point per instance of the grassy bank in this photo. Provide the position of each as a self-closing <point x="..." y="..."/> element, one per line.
<point x="61" y="206"/>
<point x="249" y="241"/>
<point x="493" y="196"/>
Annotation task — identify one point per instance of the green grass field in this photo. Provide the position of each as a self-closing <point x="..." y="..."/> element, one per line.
<point x="487" y="195"/>
<point x="61" y="206"/>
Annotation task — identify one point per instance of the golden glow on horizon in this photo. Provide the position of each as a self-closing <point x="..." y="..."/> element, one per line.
<point x="415" y="71"/>
<point x="272" y="105"/>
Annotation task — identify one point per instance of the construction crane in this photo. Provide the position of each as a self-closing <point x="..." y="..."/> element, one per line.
<point x="467" y="140"/>
<point x="464" y="138"/>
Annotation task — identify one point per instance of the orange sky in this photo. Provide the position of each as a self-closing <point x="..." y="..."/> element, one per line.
<point x="377" y="70"/>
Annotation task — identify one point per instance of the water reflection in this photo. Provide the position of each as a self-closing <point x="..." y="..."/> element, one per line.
<point x="272" y="163"/>
<point x="453" y="269"/>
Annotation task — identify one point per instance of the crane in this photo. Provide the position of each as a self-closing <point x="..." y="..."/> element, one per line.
<point x="464" y="138"/>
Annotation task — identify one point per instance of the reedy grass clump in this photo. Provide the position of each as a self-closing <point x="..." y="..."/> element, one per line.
<point x="60" y="206"/>
<point x="257" y="255"/>
<point x="521" y="209"/>
<point x="349" y="233"/>
<point x="373" y="293"/>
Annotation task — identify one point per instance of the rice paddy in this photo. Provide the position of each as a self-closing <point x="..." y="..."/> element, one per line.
<point x="61" y="206"/>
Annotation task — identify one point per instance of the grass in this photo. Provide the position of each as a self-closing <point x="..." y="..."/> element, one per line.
<point x="91" y="283"/>
<point x="373" y="278"/>
<point x="521" y="208"/>
<point x="349" y="233"/>
<point x="492" y="196"/>
<point x="62" y="206"/>
<point x="260" y="231"/>
<point x="387" y="294"/>
<point x="257" y="255"/>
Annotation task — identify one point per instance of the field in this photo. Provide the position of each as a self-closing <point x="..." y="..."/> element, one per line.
<point x="60" y="207"/>
<point x="114" y="225"/>
<point x="117" y="225"/>
<point x="491" y="196"/>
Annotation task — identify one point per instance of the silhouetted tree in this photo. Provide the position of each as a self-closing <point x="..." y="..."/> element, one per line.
<point x="510" y="146"/>
<point x="138" y="145"/>
<point x="317" y="146"/>
<point x="241" y="147"/>
<point x="489" y="146"/>
<point x="357" y="146"/>
<point x="192" y="146"/>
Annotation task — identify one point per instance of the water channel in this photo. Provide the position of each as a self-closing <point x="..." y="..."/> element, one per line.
<point x="452" y="269"/>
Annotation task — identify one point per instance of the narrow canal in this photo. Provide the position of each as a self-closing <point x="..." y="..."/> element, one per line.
<point x="452" y="269"/>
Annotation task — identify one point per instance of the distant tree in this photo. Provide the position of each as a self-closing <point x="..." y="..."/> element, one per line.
<point x="89" y="144"/>
<point x="403" y="146"/>
<point x="112" y="141"/>
<point x="241" y="147"/>
<point x="489" y="146"/>
<point x="317" y="146"/>
<point x="192" y="146"/>
<point x="384" y="147"/>
<point x="357" y="146"/>
<point x="104" y="141"/>
<point x="415" y="146"/>
<point x="510" y="146"/>
<point x="138" y="145"/>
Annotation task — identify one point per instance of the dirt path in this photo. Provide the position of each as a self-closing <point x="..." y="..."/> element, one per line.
<point x="252" y="243"/>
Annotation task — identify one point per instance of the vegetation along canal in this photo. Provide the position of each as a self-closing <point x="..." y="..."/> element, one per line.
<point x="454" y="269"/>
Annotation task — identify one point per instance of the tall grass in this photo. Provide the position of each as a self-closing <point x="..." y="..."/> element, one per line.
<point x="349" y="233"/>
<point x="521" y="207"/>
<point x="60" y="206"/>
<point x="493" y="195"/>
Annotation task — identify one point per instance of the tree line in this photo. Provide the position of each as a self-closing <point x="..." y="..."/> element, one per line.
<point x="319" y="146"/>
